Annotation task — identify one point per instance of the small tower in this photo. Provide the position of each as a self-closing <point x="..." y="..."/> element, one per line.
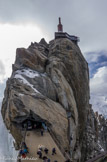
<point x="61" y="34"/>
<point x="60" y="26"/>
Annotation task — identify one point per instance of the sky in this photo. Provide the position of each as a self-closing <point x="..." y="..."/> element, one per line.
<point x="26" y="21"/>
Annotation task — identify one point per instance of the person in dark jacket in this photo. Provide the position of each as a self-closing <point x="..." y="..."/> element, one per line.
<point x="42" y="131"/>
<point x="20" y="152"/>
<point x="40" y="155"/>
<point x="53" y="151"/>
<point x="46" y="151"/>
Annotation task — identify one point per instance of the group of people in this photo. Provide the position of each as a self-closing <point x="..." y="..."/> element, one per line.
<point x="24" y="150"/>
<point x="42" y="149"/>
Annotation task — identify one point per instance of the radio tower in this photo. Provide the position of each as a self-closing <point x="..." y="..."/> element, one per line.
<point x="60" y="26"/>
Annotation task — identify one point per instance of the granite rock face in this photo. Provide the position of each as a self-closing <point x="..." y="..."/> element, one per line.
<point x="51" y="83"/>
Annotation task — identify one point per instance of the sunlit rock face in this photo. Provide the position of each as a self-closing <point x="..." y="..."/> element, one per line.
<point x="51" y="83"/>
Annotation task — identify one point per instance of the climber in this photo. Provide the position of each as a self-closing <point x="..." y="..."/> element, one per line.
<point x="42" y="131"/>
<point x="24" y="145"/>
<point x="39" y="153"/>
<point x="53" y="151"/>
<point x="40" y="147"/>
<point x="46" y="151"/>
<point x="20" y="152"/>
<point x="25" y="150"/>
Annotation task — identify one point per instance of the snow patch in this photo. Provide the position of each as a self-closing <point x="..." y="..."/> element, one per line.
<point x="24" y="81"/>
<point x="101" y="148"/>
<point x="28" y="72"/>
<point x="20" y="94"/>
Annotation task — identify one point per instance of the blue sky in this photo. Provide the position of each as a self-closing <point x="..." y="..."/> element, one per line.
<point x="96" y="60"/>
<point x="26" y="21"/>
